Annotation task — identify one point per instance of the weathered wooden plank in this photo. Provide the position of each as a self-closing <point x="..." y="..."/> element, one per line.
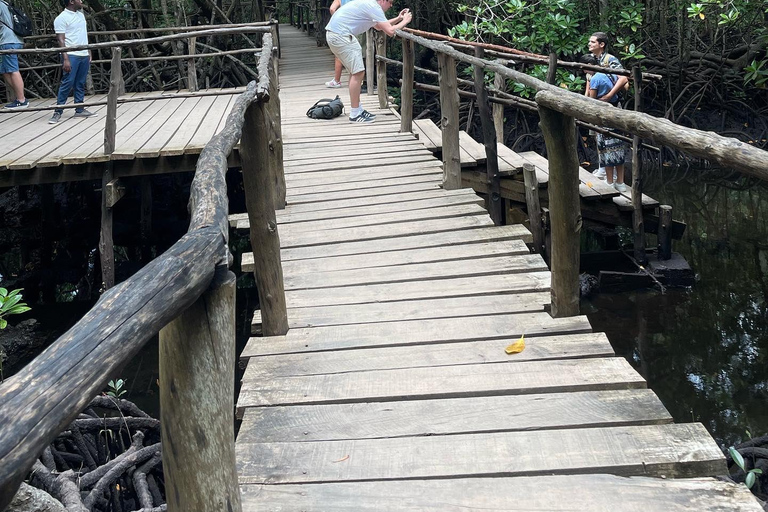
<point x="512" y="413"/>
<point x="589" y="188"/>
<point x="596" y="493"/>
<point x="457" y="381"/>
<point x="298" y="175"/>
<point x="361" y="163"/>
<point x="209" y="125"/>
<point x="386" y="191"/>
<point x="515" y="232"/>
<point x="320" y="138"/>
<point x="146" y="127"/>
<point x="540" y="348"/>
<point x="514" y="163"/>
<point x="492" y="266"/>
<point x="384" y="218"/>
<point x="670" y="450"/>
<point x="290" y="239"/>
<point x="411" y="310"/>
<point x="372" y="140"/>
<point x="288" y="216"/>
<point x="175" y="146"/>
<point x="298" y="153"/>
<point x="474" y="149"/>
<point x="405" y="257"/>
<point x="415" y="332"/>
<point x="429" y="134"/>
<point x="154" y="146"/>
<point x="371" y="183"/>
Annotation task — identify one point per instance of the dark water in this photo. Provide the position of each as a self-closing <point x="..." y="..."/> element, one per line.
<point x="704" y="351"/>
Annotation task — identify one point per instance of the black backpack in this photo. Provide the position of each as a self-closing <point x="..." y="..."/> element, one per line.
<point x="326" y="109"/>
<point x="21" y="24"/>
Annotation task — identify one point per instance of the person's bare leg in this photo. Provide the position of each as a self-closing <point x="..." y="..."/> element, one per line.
<point x="609" y="175"/>
<point x="337" y="70"/>
<point x="620" y="173"/>
<point x="355" y="84"/>
<point x="17" y="84"/>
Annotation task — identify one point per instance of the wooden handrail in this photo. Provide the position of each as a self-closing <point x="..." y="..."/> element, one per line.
<point x="97" y="33"/>
<point x="47" y="394"/>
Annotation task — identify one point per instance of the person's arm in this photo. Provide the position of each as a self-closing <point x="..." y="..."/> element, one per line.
<point x="66" y="66"/>
<point x="334" y="6"/>
<point x="389" y="29"/>
<point x="591" y="93"/>
<point x="395" y="21"/>
<point x="619" y="85"/>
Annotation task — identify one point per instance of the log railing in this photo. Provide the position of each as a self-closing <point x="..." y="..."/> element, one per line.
<point x="187" y="296"/>
<point x="560" y="111"/>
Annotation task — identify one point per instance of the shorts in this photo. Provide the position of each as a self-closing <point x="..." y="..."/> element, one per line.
<point x="348" y="50"/>
<point x="9" y="63"/>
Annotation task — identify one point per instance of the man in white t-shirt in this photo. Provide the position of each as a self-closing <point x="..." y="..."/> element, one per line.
<point x="71" y="30"/>
<point x="350" y="20"/>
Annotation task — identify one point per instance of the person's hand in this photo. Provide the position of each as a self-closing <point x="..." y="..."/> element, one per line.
<point x="604" y="98"/>
<point x="407" y="17"/>
<point x="403" y="13"/>
<point x="66" y="66"/>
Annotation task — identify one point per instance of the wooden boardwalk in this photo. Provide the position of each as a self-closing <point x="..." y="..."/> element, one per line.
<point x="392" y="390"/>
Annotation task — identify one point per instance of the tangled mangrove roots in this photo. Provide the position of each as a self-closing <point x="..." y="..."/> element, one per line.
<point x="755" y="454"/>
<point x="108" y="460"/>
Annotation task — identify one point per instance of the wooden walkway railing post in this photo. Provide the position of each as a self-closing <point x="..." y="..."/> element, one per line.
<point x="406" y="89"/>
<point x="276" y="134"/>
<point x="197" y="375"/>
<point x="638" y="226"/>
<point x="370" y="58"/>
<point x="500" y="84"/>
<point x="564" y="209"/>
<point x="449" y="124"/>
<point x="106" y="246"/>
<point x="381" y="70"/>
<point x="495" y="202"/>
<point x="191" y="67"/>
<point x="534" y="207"/>
<point x="664" y="233"/>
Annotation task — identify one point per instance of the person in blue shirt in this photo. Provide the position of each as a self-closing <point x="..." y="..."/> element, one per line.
<point x="611" y="151"/>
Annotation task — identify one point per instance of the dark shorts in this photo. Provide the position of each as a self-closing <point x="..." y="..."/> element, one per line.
<point x="9" y="63"/>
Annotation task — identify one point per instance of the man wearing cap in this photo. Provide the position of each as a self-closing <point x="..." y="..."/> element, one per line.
<point x="350" y="20"/>
<point x="71" y="30"/>
<point x="9" y="64"/>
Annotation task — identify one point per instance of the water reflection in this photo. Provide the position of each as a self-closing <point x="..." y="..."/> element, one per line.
<point x="704" y="350"/>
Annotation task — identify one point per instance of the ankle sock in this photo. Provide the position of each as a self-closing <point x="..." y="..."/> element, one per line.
<point x="354" y="112"/>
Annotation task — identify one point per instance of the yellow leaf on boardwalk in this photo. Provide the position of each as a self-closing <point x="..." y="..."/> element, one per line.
<point x="517" y="346"/>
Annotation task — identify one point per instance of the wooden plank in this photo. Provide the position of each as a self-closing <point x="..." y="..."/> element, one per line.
<point x="596" y="493"/>
<point x="440" y="239"/>
<point x="154" y="146"/>
<point x="298" y="192"/>
<point x="339" y="236"/>
<point x="129" y="142"/>
<point x="176" y="145"/>
<point x="624" y="201"/>
<point x="361" y="163"/>
<point x="530" y="377"/>
<point x="410" y="310"/>
<point x="373" y="220"/>
<point x="298" y="181"/>
<point x="209" y="124"/>
<point x="415" y="332"/>
<point x="372" y="140"/>
<point x="589" y="188"/>
<point x="474" y="149"/>
<point x="429" y="134"/>
<point x="492" y="266"/>
<point x="543" y="348"/>
<point x="404" y="257"/>
<point x="656" y="450"/>
<point x="299" y="153"/>
<point x="514" y="163"/>
<point x="348" y="130"/>
<point x="289" y="217"/>
<point x="584" y="409"/>
<point x="330" y="138"/>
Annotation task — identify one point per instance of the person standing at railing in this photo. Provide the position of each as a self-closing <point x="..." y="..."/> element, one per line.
<point x="335" y="83"/>
<point x="71" y="30"/>
<point x="349" y="21"/>
<point x="9" y="64"/>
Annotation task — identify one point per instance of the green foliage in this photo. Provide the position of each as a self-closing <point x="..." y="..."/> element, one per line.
<point x="10" y="304"/>
<point x="752" y="474"/>
<point x="756" y="73"/>
<point x="116" y="388"/>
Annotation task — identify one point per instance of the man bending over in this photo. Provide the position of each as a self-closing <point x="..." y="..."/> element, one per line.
<point x="350" y="20"/>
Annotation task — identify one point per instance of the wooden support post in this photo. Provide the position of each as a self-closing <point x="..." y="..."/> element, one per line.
<point x="256" y="157"/>
<point x="115" y="191"/>
<point x="664" y="233"/>
<point x="276" y="167"/>
<point x="564" y="208"/>
<point x="449" y="124"/>
<point x="370" y="61"/>
<point x="500" y="84"/>
<point x="106" y="247"/>
<point x="638" y="227"/>
<point x="290" y="13"/>
<point x="191" y="67"/>
<point x="495" y="203"/>
<point x="552" y="68"/>
<point x="197" y="375"/>
<point x="115" y="77"/>
<point x="534" y="206"/>
<point x="381" y="70"/>
<point x="406" y="90"/>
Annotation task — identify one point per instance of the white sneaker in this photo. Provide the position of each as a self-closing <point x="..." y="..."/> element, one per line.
<point x="333" y="84"/>
<point x="621" y="187"/>
<point x="599" y="173"/>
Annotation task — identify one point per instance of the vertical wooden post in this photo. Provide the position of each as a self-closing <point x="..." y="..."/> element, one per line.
<point x="290" y="13"/>
<point x="146" y="219"/>
<point x="197" y="375"/>
<point x="638" y="226"/>
<point x="665" y="232"/>
<point x="276" y="135"/>
<point x="500" y="84"/>
<point x="381" y="70"/>
<point x="191" y="67"/>
<point x="552" y="69"/>
<point x="256" y="157"/>
<point x="564" y="210"/>
<point x="534" y="206"/>
<point x="495" y="203"/>
<point x="449" y="124"/>
<point x="406" y="90"/>
<point x="370" y="61"/>
<point x="106" y="247"/>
